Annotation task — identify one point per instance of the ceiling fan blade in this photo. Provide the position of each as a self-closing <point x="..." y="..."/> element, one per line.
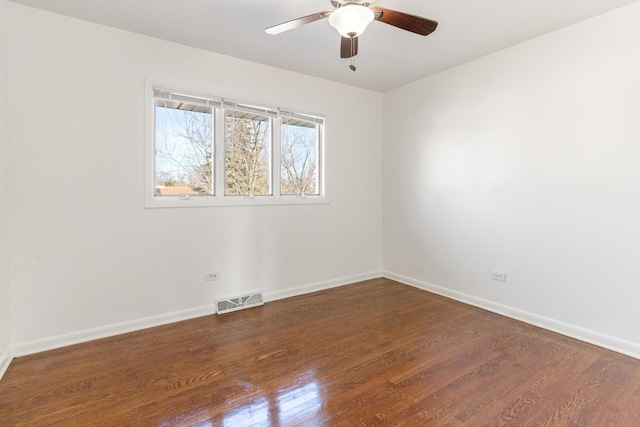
<point x="346" y="50"/>
<point x="295" y="23"/>
<point x="413" y="23"/>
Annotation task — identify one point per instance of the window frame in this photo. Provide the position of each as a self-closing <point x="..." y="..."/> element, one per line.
<point x="219" y="198"/>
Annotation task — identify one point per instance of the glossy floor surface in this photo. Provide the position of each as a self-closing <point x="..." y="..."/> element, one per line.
<point x="372" y="353"/>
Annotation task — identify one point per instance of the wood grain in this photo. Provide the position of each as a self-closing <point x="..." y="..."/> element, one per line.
<point x="372" y="353"/>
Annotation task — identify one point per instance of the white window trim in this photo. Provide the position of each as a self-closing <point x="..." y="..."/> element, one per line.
<point x="152" y="201"/>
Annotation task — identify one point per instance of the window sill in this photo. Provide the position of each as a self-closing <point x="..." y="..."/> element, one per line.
<point x="201" y="202"/>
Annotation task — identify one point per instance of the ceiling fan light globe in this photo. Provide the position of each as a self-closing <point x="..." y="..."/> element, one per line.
<point x="351" y="20"/>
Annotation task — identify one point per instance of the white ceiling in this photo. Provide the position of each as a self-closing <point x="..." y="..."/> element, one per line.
<point x="387" y="57"/>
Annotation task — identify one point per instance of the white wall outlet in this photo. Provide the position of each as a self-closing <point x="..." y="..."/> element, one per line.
<point x="211" y="275"/>
<point x="499" y="275"/>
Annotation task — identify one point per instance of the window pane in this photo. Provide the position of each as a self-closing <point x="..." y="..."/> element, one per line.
<point x="247" y="163"/>
<point x="299" y="162"/>
<point x="184" y="150"/>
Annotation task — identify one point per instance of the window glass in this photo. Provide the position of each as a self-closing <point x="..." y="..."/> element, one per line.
<point x="247" y="146"/>
<point x="299" y="157"/>
<point x="183" y="150"/>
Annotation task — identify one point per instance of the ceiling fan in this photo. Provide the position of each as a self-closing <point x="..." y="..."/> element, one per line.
<point x="351" y="17"/>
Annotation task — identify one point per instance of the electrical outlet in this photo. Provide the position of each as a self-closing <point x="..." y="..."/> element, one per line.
<point x="499" y="275"/>
<point x="211" y="275"/>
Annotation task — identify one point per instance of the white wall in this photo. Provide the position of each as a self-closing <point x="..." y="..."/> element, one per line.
<point x="525" y="161"/>
<point x="5" y="315"/>
<point x="89" y="260"/>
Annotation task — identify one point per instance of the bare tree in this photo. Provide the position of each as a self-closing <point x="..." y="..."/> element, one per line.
<point x="298" y="160"/>
<point x="184" y="150"/>
<point x="184" y="153"/>
<point x="247" y="151"/>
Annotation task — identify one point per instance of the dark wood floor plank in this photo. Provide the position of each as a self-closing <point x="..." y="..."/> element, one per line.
<point x="375" y="353"/>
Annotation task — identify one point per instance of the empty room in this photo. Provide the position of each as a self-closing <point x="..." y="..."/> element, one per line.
<point x="320" y="213"/>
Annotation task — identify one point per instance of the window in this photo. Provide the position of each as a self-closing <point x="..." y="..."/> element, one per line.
<point x="209" y="151"/>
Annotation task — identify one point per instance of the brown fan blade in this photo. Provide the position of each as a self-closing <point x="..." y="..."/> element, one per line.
<point x="413" y="23"/>
<point x="346" y="49"/>
<point x="295" y="23"/>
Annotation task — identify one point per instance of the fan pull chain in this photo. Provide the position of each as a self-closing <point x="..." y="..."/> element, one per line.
<point x="352" y="67"/>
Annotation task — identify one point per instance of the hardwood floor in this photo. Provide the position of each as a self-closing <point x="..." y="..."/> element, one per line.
<point x="372" y="353"/>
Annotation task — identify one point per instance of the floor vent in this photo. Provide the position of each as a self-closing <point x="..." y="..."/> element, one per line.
<point x="238" y="303"/>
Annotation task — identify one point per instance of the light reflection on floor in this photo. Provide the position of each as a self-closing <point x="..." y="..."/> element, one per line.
<point x="294" y="402"/>
<point x="290" y="404"/>
<point x="295" y="405"/>
<point x="249" y="414"/>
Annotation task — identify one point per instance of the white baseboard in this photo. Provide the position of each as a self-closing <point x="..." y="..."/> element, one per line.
<point x="5" y="361"/>
<point x="36" y="346"/>
<point x="22" y="349"/>
<point x="592" y="337"/>
<point x="320" y="286"/>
